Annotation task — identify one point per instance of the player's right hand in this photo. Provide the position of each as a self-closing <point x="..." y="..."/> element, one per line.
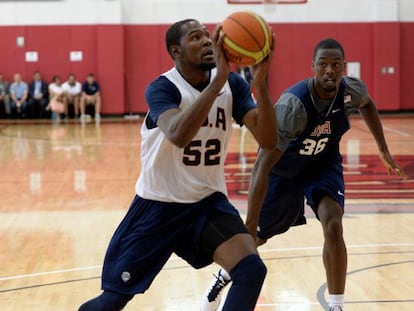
<point x="391" y="166"/>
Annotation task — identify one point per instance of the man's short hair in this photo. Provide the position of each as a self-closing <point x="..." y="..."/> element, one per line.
<point x="328" y="43"/>
<point x="174" y="33"/>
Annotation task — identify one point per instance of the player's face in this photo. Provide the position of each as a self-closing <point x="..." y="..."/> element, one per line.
<point x="196" y="46"/>
<point x="328" y="67"/>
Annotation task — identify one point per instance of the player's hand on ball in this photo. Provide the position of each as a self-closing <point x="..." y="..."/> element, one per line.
<point x="392" y="167"/>
<point x="260" y="70"/>
<point x="222" y="64"/>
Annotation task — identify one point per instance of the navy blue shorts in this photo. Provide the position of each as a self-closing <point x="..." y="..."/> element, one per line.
<point x="283" y="206"/>
<point x="151" y="231"/>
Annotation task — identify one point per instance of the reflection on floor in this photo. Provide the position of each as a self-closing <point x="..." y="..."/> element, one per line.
<point x="64" y="189"/>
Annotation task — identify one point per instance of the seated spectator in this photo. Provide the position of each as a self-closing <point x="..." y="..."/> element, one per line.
<point x="90" y="95"/>
<point x="73" y="91"/>
<point x="38" y="96"/>
<point x="4" y="95"/>
<point x="57" y="96"/>
<point x="18" y="94"/>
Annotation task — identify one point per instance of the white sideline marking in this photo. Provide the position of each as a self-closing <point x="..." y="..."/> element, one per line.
<point x="22" y="276"/>
<point x="396" y="131"/>
<point x="348" y="246"/>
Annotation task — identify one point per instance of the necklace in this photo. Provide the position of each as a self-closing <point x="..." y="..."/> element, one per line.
<point x="314" y="101"/>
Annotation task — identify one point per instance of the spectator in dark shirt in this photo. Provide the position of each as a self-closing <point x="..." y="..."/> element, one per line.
<point x="38" y="96"/>
<point x="90" y="95"/>
<point x="4" y="95"/>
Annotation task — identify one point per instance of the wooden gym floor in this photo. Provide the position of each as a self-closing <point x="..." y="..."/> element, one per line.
<point x="64" y="189"/>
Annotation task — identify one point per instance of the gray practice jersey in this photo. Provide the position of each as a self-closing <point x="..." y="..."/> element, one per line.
<point x="292" y="116"/>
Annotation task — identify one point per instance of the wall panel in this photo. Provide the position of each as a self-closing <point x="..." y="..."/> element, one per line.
<point x="110" y="67"/>
<point x="146" y="57"/>
<point x="407" y="66"/>
<point x="126" y="57"/>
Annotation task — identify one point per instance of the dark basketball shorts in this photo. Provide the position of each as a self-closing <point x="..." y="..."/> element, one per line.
<point x="151" y="231"/>
<point x="283" y="206"/>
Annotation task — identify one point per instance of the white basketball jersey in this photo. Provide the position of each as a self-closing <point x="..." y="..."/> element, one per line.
<point x="186" y="175"/>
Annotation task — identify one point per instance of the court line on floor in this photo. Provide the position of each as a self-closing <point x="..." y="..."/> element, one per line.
<point x="320" y="294"/>
<point x="2" y="291"/>
<point x="348" y="246"/>
<point x="182" y="266"/>
<point x="303" y="248"/>
<point x="22" y="276"/>
<point x="386" y="128"/>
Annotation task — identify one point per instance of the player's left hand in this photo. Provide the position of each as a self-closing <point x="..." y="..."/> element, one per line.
<point x="222" y="64"/>
<point x="251" y="227"/>
<point x="260" y="70"/>
<point x="392" y="167"/>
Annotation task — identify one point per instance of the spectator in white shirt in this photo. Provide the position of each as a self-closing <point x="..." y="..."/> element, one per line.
<point x="73" y="91"/>
<point x="57" y="96"/>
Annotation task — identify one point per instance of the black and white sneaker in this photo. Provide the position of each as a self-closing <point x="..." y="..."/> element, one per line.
<point x="212" y="296"/>
<point x="336" y="308"/>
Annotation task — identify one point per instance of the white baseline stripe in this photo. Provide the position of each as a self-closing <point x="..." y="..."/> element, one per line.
<point x="22" y="276"/>
<point x="294" y="303"/>
<point x="348" y="246"/>
<point x="395" y="131"/>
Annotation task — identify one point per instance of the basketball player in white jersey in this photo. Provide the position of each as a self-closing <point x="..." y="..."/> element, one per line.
<point x="181" y="203"/>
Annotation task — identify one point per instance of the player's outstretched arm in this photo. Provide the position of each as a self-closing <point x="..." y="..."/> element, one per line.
<point x="371" y="117"/>
<point x="258" y="186"/>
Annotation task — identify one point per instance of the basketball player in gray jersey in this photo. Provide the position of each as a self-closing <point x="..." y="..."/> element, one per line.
<point x="312" y="117"/>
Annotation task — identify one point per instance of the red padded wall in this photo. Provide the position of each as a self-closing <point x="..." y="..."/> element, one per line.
<point x="110" y="67"/>
<point x="145" y="58"/>
<point x="126" y="57"/>
<point x="103" y="54"/>
<point x="363" y="42"/>
<point x="407" y="66"/>
<point x="386" y="52"/>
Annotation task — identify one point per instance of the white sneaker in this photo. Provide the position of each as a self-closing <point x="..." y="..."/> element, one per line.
<point x="82" y="119"/>
<point x="212" y="296"/>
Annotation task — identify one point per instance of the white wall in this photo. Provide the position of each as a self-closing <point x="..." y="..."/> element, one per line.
<point x="212" y="11"/>
<point x="406" y="10"/>
<point x="60" y="12"/>
<point x="65" y="12"/>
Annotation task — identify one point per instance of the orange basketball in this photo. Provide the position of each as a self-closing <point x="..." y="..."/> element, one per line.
<point x="248" y="38"/>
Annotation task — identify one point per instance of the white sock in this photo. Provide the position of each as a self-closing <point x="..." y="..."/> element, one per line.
<point x="336" y="300"/>
<point x="224" y="275"/>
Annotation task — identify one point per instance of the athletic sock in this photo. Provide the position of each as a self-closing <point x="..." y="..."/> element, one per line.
<point x="336" y="300"/>
<point x="247" y="276"/>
